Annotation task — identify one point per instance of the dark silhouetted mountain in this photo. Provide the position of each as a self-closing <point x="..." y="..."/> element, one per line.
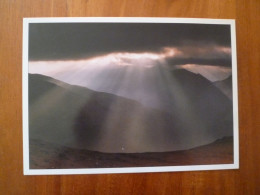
<point x="225" y="86"/>
<point x="202" y="98"/>
<point x="80" y="118"/>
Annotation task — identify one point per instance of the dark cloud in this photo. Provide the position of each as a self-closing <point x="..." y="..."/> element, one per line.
<point x="50" y="41"/>
<point x="201" y="61"/>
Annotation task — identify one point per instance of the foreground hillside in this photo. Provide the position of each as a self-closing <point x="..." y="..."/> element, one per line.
<point x="44" y="155"/>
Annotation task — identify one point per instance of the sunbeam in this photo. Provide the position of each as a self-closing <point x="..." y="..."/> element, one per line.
<point x="135" y="96"/>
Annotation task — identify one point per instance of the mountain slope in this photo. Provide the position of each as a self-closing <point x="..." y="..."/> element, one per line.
<point x="45" y="155"/>
<point x="199" y="99"/>
<point x="80" y="118"/>
<point x="225" y="86"/>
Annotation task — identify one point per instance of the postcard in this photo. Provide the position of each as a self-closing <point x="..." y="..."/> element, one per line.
<point x="129" y="95"/>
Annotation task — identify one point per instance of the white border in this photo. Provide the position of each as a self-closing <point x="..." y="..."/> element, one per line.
<point x="28" y="171"/>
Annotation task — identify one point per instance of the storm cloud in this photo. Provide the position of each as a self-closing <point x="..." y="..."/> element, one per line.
<point x="62" y="41"/>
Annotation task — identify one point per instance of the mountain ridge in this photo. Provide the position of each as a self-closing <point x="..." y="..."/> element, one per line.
<point x="105" y="122"/>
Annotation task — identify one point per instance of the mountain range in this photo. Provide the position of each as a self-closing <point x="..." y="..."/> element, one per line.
<point x="190" y="112"/>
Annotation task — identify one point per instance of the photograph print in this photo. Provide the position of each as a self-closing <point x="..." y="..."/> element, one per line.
<point x="129" y="95"/>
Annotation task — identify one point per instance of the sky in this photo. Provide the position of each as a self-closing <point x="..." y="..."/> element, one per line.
<point x="60" y="41"/>
<point x="59" y="48"/>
